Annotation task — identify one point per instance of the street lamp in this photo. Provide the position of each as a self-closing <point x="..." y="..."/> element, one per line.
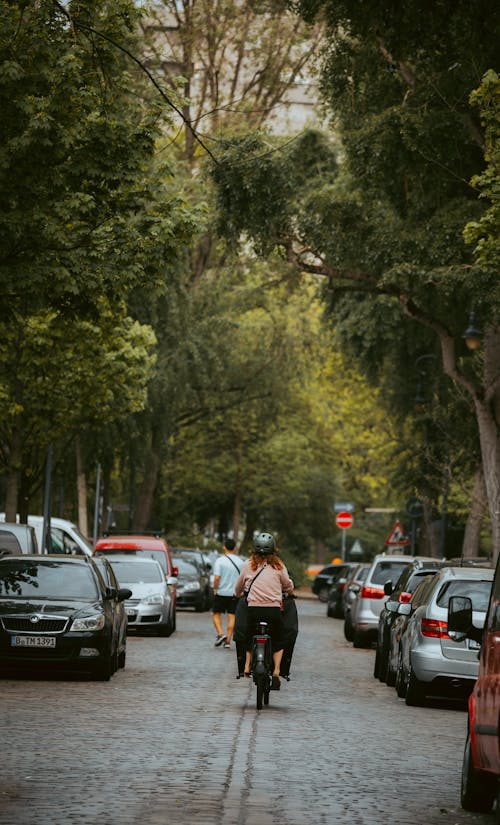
<point x="472" y="335"/>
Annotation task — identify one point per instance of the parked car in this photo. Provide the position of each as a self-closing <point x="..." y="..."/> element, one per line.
<point x="430" y="661"/>
<point x="481" y="760"/>
<point x="16" y="539"/>
<point x="401" y="592"/>
<point x="152" y="547"/>
<point x="65" y="537"/>
<point x="325" y="578"/>
<point x="56" y="611"/>
<point x="352" y="588"/>
<point x="150" y="605"/>
<point x="335" y="601"/>
<point x="192" y="585"/>
<point x="204" y="567"/>
<point x="369" y="601"/>
<point x="112" y="587"/>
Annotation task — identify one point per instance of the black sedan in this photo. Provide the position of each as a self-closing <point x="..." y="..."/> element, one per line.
<point x="57" y="611"/>
<point x="326" y="578"/>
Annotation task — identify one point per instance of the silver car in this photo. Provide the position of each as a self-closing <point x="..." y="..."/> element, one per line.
<point x="430" y="662"/>
<point x="369" y="601"/>
<point x="151" y="606"/>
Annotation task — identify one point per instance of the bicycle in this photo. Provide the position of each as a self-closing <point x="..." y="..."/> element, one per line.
<point x="262" y="664"/>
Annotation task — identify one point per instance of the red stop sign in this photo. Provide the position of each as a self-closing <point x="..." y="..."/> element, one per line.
<point x="344" y="520"/>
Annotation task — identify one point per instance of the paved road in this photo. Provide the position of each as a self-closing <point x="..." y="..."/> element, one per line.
<point x="175" y="739"/>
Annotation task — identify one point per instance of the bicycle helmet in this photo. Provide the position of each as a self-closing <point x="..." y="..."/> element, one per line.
<point x="264" y="544"/>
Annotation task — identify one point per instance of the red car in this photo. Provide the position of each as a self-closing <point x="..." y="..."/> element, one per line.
<point x="481" y="762"/>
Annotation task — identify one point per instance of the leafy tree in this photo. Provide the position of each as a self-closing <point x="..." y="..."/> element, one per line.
<point x="385" y="233"/>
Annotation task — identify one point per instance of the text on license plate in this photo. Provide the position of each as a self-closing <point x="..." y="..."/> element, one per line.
<point x="33" y="641"/>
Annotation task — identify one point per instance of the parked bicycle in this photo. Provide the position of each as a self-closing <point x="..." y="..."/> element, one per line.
<point x="262" y="664"/>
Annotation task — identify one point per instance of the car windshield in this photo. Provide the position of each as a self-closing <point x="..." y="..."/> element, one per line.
<point x="477" y="591"/>
<point x="187" y="567"/>
<point x="157" y="555"/>
<point x="388" y="571"/>
<point x="137" y="572"/>
<point x="26" y="578"/>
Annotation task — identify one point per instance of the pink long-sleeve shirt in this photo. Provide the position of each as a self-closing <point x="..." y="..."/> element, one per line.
<point x="267" y="589"/>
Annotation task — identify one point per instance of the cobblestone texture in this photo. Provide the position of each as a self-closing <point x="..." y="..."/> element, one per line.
<point x="175" y="739"/>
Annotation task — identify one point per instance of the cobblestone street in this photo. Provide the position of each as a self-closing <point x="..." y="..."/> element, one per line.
<point x="175" y="739"/>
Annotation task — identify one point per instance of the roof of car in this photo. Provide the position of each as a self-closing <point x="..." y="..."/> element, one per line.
<point x="131" y="542"/>
<point x="46" y="557"/>
<point x="471" y="573"/>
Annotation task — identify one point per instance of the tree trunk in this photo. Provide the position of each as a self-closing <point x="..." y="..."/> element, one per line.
<point x="13" y="477"/>
<point x="479" y="504"/>
<point x="81" y="490"/>
<point x="144" y="508"/>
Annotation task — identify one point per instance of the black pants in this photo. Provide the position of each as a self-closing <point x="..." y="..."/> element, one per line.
<point x="291" y="629"/>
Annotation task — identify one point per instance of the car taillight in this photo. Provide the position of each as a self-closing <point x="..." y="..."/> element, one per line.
<point x="342" y="586"/>
<point x="404" y="598"/>
<point x="372" y="593"/>
<point x="434" y="629"/>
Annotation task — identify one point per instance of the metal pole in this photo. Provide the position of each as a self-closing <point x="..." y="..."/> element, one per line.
<point x="343" y="543"/>
<point x="46" y="537"/>
<point x="97" y="503"/>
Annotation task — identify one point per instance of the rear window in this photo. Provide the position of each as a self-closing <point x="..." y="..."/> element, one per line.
<point x="9" y="545"/>
<point x="416" y="578"/>
<point x="477" y="591"/>
<point x="387" y="571"/>
<point x="158" y="555"/>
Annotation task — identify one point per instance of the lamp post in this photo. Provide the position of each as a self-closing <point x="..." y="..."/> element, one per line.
<point x="472" y="335"/>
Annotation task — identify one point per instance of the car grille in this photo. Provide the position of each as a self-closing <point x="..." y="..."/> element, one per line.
<point x="23" y="624"/>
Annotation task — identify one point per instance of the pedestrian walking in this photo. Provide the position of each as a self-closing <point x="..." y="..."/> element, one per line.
<point x="227" y="568"/>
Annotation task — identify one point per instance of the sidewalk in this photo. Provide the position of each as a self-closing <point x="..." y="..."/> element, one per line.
<point x="305" y="592"/>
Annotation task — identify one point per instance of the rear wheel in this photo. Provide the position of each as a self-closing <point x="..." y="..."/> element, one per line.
<point x="330" y="612"/>
<point x="360" y="639"/>
<point x="122" y="657"/>
<point x="400" y="684"/>
<point x="103" y="670"/>
<point x="376" y="665"/>
<point x="323" y="594"/>
<point x="348" y="631"/>
<point x="260" y="693"/>
<point x="478" y="789"/>
<point x="415" y="693"/>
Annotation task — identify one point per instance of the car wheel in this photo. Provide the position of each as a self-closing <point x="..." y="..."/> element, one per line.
<point x="323" y="594"/>
<point x="167" y="628"/>
<point x="415" y="693"/>
<point x="103" y="670"/>
<point x="199" y="606"/>
<point x="390" y="675"/>
<point x="384" y="664"/>
<point x="360" y="639"/>
<point x="376" y="664"/>
<point x="174" y="621"/>
<point x="400" y="684"/>
<point x="122" y="658"/>
<point x="330" y="611"/>
<point x="348" y="629"/>
<point x="478" y="789"/>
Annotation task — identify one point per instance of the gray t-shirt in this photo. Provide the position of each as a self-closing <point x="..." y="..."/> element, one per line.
<point x="228" y="568"/>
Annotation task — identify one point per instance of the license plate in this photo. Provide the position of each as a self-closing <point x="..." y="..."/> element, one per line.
<point x="131" y="611"/>
<point x="33" y="641"/>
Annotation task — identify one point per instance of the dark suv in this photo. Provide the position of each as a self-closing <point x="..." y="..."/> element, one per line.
<point x="326" y="577"/>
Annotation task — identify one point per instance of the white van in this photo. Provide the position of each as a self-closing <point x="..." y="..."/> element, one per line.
<point x="65" y="536"/>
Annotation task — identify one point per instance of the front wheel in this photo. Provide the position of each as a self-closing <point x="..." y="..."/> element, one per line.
<point x="478" y="789"/>
<point x="323" y="594"/>
<point x="348" y="630"/>
<point x="400" y="684"/>
<point x="260" y="693"/>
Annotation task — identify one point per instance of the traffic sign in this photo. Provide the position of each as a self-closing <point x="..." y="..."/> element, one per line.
<point x="344" y="520"/>
<point x="341" y="506"/>
<point x="397" y="536"/>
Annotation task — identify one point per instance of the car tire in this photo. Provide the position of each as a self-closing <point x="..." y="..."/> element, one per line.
<point x="330" y="612"/>
<point x="166" y="629"/>
<point x="122" y="658"/>
<point x="360" y="639"/>
<point x="390" y="675"/>
<point x="103" y="670"/>
<point x="348" y="628"/>
<point x="323" y="594"/>
<point x="478" y="789"/>
<point x="199" y="606"/>
<point x="400" y="683"/>
<point x="376" y="665"/>
<point x="415" y="693"/>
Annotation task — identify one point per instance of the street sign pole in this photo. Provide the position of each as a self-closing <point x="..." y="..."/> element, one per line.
<point x="344" y="531"/>
<point x="344" y="520"/>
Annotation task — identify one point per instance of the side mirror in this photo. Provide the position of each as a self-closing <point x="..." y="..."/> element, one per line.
<point x="171" y="580"/>
<point x="404" y="609"/>
<point x="392" y="607"/>
<point x="354" y="588"/>
<point x="388" y="587"/>
<point x="123" y="593"/>
<point x="460" y="625"/>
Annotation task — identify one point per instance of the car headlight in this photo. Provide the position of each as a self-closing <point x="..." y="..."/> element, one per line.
<point x="192" y="586"/>
<point x="155" y="598"/>
<point x="89" y="623"/>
